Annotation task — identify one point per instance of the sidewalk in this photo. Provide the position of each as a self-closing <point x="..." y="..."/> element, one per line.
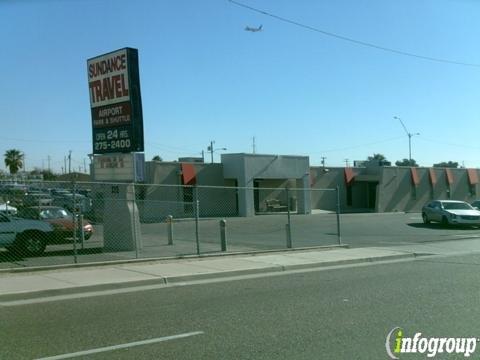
<point x="178" y="270"/>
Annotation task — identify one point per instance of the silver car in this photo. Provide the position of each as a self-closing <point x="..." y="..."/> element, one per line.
<point x="450" y="212"/>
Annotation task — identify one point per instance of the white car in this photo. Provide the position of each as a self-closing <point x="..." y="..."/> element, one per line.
<point x="450" y="212"/>
<point x="7" y="209"/>
<point x="27" y="237"/>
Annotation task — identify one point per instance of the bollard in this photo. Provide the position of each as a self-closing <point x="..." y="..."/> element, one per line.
<point x="289" y="236"/>
<point x="223" y="234"/>
<point x="170" y="229"/>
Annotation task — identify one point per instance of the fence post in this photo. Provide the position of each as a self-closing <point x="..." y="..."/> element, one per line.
<point x="197" y="216"/>
<point x="82" y="232"/>
<point x="223" y="235"/>
<point x="170" y="229"/>
<point x="288" y="226"/>
<point x="75" y="222"/>
<point x="134" y="204"/>
<point x="338" y="216"/>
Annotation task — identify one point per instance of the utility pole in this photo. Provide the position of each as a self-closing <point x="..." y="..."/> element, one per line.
<point x="347" y="163"/>
<point x="65" y="164"/>
<point x="210" y="148"/>
<point x="253" y="144"/>
<point x="84" y="166"/>
<point x="323" y="161"/>
<point x="203" y="156"/>
<point x="69" y="161"/>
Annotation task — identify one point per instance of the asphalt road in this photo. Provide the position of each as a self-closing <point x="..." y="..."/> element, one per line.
<point x="265" y="232"/>
<point x="330" y="314"/>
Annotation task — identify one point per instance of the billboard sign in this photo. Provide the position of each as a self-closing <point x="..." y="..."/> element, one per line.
<point x="115" y="102"/>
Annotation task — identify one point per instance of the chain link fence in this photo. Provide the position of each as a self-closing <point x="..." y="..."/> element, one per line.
<point x="53" y="223"/>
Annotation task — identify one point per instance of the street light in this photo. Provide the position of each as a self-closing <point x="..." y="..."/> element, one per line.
<point x="410" y="135"/>
<point x="212" y="150"/>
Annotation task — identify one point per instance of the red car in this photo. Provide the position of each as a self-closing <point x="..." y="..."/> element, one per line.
<point x="60" y="219"/>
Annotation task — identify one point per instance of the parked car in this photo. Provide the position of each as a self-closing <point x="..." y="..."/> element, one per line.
<point x="81" y="203"/>
<point x="27" y="237"/>
<point x="60" y="219"/>
<point x="37" y="199"/>
<point x="7" y="209"/>
<point x="450" y="212"/>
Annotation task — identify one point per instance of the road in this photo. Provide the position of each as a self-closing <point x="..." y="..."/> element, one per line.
<point x="330" y="314"/>
<point x="265" y="232"/>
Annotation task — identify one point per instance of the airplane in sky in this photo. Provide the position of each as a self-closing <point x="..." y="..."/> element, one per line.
<point x="253" y="29"/>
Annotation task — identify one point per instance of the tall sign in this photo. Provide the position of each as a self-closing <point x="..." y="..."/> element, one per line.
<point x="115" y="102"/>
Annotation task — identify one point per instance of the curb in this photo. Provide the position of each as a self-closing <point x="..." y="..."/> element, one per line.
<point x="203" y="276"/>
<point x="166" y="259"/>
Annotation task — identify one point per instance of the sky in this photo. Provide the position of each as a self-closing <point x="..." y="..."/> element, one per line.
<point x="204" y="78"/>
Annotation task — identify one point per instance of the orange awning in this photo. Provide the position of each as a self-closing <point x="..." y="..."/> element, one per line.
<point x="349" y="175"/>
<point x="415" y="178"/>
<point x="448" y="173"/>
<point x="433" y="176"/>
<point x="188" y="174"/>
<point x="472" y="176"/>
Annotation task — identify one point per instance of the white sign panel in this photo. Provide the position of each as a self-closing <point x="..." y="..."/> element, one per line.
<point x="119" y="167"/>
<point x="108" y="79"/>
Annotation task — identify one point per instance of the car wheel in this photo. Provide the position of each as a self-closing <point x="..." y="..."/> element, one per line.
<point x="425" y="219"/>
<point x="32" y="244"/>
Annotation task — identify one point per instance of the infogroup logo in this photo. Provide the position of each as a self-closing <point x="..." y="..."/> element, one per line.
<point x="397" y="343"/>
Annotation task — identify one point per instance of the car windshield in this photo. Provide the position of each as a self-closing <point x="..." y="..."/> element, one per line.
<point x="55" y="214"/>
<point x="456" y="206"/>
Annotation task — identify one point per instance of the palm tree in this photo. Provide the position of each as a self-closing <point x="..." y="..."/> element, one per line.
<point x="13" y="160"/>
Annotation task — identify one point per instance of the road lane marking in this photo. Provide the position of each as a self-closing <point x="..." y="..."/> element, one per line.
<point x="121" y="346"/>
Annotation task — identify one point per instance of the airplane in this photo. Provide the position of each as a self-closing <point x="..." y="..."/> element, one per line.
<point x="253" y="29"/>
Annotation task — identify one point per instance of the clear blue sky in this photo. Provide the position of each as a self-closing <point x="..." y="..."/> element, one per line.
<point x="204" y="78"/>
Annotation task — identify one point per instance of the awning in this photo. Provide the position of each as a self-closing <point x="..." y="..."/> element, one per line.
<point x="188" y="174"/>
<point x="448" y="173"/>
<point x="415" y="178"/>
<point x="472" y="176"/>
<point x="349" y="175"/>
<point x="433" y="176"/>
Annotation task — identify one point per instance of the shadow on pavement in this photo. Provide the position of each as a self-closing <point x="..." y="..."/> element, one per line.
<point x="8" y="256"/>
<point x="443" y="227"/>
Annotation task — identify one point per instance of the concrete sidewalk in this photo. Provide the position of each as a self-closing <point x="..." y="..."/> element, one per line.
<point x="177" y="270"/>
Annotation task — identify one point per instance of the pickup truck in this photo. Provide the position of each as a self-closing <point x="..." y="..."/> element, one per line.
<point x="27" y="237"/>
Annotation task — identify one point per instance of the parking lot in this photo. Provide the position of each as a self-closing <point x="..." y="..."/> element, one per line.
<point x="256" y="234"/>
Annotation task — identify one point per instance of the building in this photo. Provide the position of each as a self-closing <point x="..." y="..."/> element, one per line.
<point x="254" y="184"/>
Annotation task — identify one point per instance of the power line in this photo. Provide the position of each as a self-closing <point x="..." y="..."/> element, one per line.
<point x="351" y="40"/>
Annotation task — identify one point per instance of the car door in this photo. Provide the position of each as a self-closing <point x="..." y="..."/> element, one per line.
<point x="428" y="209"/>
<point x="7" y="230"/>
<point x="436" y="211"/>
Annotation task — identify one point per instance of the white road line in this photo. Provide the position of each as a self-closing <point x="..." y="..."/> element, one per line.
<point x="121" y="346"/>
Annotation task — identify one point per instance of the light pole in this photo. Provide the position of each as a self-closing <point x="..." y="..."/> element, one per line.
<point x="410" y="135"/>
<point x="212" y="150"/>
